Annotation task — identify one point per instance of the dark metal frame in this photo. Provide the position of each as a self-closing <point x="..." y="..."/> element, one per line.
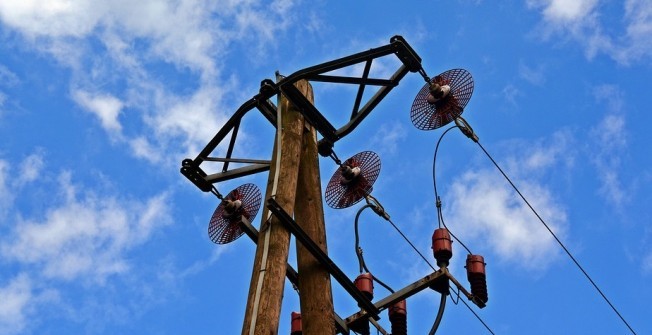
<point x="411" y="62"/>
<point x="323" y="258"/>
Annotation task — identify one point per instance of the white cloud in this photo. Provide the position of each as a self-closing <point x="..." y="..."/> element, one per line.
<point x="579" y="22"/>
<point x="483" y="210"/>
<point x="510" y="93"/>
<point x="14" y="304"/>
<point x="30" y="168"/>
<point x="6" y="194"/>
<point x="538" y="157"/>
<point x="562" y="10"/>
<point x="13" y="180"/>
<point x="609" y="144"/>
<point x="610" y="139"/>
<point x="135" y="38"/>
<point x="104" y="106"/>
<point x="533" y="75"/>
<point x="85" y="237"/>
<point x="647" y="264"/>
<point x="7" y="77"/>
<point x="388" y="137"/>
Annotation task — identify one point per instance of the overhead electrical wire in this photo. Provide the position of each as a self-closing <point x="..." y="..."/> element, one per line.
<point x="375" y="205"/>
<point x="378" y="208"/>
<point x="477" y="316"/>
<point x="557" y="239"/>
<point x="468" y="132"/>
<point x="440" y="216"/>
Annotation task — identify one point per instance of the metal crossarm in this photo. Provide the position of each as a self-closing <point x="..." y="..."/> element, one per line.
<point x="323" y="258"/>
<point x="411" y="62"/>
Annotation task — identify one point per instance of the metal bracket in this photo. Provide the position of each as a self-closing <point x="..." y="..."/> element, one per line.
<point x="411" y="62"/>
<point x="290" y="273"/>
<point x="402" y="294"/>
<point x="323" y="258"/>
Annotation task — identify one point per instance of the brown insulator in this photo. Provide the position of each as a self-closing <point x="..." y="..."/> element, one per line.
<point x="365" y="284"/>
<point x="442" y="246"/>
<point x="475" y="271"/>
<point x="398" y="317"/>
<point x="295" y="329"/>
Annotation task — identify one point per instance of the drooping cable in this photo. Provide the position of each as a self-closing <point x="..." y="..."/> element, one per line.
<point x="557" y="239"/>
<point x="440" y="314"/>
<point x="440" y="216"/>
<point x="359" y="252"/>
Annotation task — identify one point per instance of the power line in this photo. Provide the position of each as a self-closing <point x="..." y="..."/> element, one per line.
<point x="557" y="239"/>
<point x="380" y="211"/>
<point x="440" y="216"/>
<point x="477" y="316"/>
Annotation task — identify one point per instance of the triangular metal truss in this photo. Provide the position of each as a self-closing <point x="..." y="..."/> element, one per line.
<point x="410" y="62"/>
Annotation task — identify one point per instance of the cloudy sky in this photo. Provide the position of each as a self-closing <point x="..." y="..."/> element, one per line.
<point x="101" y="100"/>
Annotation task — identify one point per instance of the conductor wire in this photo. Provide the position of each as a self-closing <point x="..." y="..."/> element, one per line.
<point x="557" y="239"/>
<point x="440" y="216"/>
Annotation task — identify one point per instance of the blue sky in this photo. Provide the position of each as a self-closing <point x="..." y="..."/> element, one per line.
<point x="100" y="101"/>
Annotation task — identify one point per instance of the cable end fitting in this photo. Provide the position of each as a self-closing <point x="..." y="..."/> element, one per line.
<point x="466" y="129"/>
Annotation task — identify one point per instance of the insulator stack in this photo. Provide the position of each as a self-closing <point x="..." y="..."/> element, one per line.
<point x="475" y="271"/>
<point x="442" y="246"/>
<point x="365" y="284"/>
<point x="398" y="318"/>
<point x="296" y="329"/>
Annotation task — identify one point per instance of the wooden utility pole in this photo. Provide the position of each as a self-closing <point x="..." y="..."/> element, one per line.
<point x="268" y="276"/>
<point x="315" y="294"/>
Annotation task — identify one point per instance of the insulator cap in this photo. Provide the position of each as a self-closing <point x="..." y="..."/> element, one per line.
<point x="476" y="274"/>
<point x="365" y="284"/>
<point x="442" y="246"/>
<point x="296" y="324"/>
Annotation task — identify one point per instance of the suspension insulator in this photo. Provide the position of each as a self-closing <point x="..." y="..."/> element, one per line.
<point x="365" y="284"/>
<point x="475" y="271"/>
<point x="398" y="317"/>
<point x="442" y="246"/>
<point x="295" y="329"/>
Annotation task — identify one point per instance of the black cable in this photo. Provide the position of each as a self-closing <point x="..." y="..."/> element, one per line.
<point x="378" y="209"/>
<point x="412" y="245"/>
<point x="440" y="216"/>
<point x="557" y="239"/>
<point x="358" y="250"/>
<point x="458" y="296"/>
<point x="477" y="316"/>
<point x="440" y="314"/>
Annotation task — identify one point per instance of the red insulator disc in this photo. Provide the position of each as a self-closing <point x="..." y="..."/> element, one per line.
<point x="225" y="227"/>
<point x="341" y="193"/>
<point x="426" y="115"/>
